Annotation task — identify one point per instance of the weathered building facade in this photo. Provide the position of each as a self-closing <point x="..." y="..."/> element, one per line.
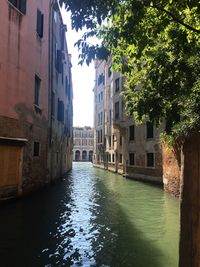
<point x="120" y="145"/>
<point x="61" y="94"/>
<point x="25" y="96"/>
<point x="83" y="143"/>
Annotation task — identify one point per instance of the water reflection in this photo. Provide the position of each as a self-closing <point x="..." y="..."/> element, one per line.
<point x="91" y="218"/>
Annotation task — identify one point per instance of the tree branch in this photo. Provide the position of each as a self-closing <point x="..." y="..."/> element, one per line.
<point x="189" y="27"/>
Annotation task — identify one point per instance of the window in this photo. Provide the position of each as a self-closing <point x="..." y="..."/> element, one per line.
<point x="131" y="133"/>
<point x="36" y="149"/>
<point x="101" y="117"/>
<point x="59" y="65"/>
<point x="37" y="90"/>
<point x="110" y="115"/>
<point x="53" y="104"/>
<point x="117" y="110"/>
<point x="84" y="142"/>
<point x="113" y="157"/>
<point x="120" y="158"/>
<point x="99" y="136"/>
<point x="117" y="85"/>
<point x="109" y="71"/>
<point x="101" y="96"/>
<point x="84" y="134"/>
<point x="150" y="159"/>
<point x="113" y="140"/>
<point x="149" y="129"/>
<point x="109" y="158"/>
<point x="40" y="22"/>
<point x="109" y="141"/>
<point x="57" y="157"/>
<point x="20" y="5"/>
<point x="60" y="111"/>
<point x="122" y="107"/>
<point x="120" y="140"/>
<point x="67" y="87"/>
<point x="101" y="79"/>
<point x="132" y="159"/>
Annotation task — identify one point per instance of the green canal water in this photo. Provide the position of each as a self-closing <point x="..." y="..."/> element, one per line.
<point x="91" y="217"/>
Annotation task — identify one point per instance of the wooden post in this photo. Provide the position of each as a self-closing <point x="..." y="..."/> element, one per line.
<point x="190" y="204"/>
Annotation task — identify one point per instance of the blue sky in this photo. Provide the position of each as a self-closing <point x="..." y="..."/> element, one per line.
<point x="83" y="80"/>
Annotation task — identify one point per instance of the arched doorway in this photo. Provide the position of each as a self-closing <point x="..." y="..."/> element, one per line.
<point x="77" y="155"/>
<point x="84" y="155"/>
<point x="90" y="155"/>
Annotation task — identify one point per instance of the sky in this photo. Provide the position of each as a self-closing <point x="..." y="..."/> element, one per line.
<point x="83" y="80"/>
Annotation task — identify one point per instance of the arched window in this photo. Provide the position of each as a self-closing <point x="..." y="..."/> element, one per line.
<point x="90" y="155"/>
<point x="77" y="155"/>
<point x="84" y="155"/>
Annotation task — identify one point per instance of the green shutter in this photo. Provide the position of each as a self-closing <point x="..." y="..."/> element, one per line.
<point x="59" y="61"/>
<point x="13" y="2"/>
<point x="40" y="20"/>
<point x="22" y="6"/>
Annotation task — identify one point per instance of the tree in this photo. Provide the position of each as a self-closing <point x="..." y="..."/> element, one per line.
<point x="155" y="44"/>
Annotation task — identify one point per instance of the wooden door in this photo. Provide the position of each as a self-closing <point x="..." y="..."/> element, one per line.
<point x="9" y="165"/>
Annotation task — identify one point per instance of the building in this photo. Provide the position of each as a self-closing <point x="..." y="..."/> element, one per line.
<point x="121" y="146"/>
<point x="27" y="130"/>
<point x="83" y="143"/>
<point x="61" y="95"/>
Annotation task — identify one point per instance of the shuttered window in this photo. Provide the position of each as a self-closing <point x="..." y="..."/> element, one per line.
<point x="149" y="130"/>
<point x="40" y="22"/>
<point x="131" y="133"/>
<point x="150" y="159"/>
<point x="117" y="110"/>
<point x="36" y="149"/>
<point x="132" y="159"/>
<point x="120" y="158"/>
<point x="37" y="90"/>
<point x="117" y="85"/>
<point x="120" y="140"/>
<point x="53" y="104"/>
<point x="59" y="65"/>
<point x="113" y="157"/>
<point x="20" y="5"/>
<point x="60" y="113"/>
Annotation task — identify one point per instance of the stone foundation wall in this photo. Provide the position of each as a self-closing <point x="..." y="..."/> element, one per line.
<point x="144" y="174"/>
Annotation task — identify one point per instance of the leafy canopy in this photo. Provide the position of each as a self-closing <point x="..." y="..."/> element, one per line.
<point x="155" y="44"/>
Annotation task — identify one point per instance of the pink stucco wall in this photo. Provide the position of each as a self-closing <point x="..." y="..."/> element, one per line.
<point x="22" y="55"/>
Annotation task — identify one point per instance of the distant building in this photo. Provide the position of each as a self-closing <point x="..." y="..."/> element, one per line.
<point x="119" y="145"/>
<point x="35" y="96"/>
<point x="83" y="143"/>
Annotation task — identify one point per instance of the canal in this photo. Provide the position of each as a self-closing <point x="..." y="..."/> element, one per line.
<point x="91" y="217"/>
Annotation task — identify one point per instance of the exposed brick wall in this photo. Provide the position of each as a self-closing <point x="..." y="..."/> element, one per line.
<point x="35" y="171"/>
<point x="171" y="169"/>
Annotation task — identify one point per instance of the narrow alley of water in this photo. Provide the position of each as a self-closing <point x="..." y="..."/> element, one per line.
<point x="91" y="218"/>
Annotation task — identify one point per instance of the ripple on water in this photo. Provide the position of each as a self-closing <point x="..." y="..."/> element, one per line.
<point x="92" y="218"/>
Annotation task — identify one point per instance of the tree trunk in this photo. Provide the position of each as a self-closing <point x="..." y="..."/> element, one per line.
<point x="190" y="204"/>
